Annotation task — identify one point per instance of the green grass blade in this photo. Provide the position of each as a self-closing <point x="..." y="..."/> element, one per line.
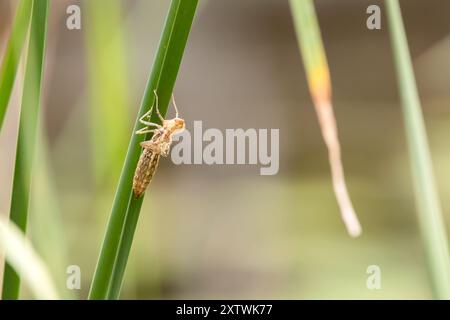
<point x="162" y="78"/>
<point x="8" y="69"/>
<point x="124" y="249"/>
<point x="427" y="198"/>
<point x="47" y="229"/>
<point x="22" y="257"/>
<point x="27" y="132"/>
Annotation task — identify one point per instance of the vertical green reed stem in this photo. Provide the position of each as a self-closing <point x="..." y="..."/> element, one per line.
<point x="122" y="222"/>
<point x="27" y="133"/>
<point x="124" y="250"/>
<point x="429" y="209"/>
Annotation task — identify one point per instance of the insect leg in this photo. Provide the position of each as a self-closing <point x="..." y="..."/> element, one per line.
<point x="147" y="114"/>
<point x="145" y="130"/>
<point x="148" y="123"/>
<point x="175" y="106"/>
<point x="157" y="107"/>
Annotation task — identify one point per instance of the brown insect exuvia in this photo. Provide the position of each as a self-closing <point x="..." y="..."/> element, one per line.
<point x="158" y="145"/>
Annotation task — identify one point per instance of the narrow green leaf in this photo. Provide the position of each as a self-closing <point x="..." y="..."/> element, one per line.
<point x="8" y="69"/>
<point x="426" y="194"/>
<point x="123" y="221"/>
<point x="27" y="132"/>
<point x="124" y="249"/>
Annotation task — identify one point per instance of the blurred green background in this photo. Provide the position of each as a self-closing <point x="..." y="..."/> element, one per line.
<point x="223" y="231"/>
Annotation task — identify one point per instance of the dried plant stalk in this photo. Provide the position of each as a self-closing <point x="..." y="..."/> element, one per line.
<point x="328" y="126"/>
<point x="318" y="75"/>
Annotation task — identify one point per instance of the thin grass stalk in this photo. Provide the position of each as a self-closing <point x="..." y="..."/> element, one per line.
<point x="10" y="64"/>
<point x="428" y="205"/>
<point x="27" y="135"/>
<point x="318" y="75"/>
<point x="122" y="220"/>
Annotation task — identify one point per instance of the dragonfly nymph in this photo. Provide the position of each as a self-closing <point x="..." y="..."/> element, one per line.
<point x="157" y="146"/>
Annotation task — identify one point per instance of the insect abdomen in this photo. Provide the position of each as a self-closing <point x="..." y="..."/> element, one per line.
<point x="145" y="170"/>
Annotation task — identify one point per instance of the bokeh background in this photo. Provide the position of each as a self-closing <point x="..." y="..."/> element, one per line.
<point x="224" y="231"/>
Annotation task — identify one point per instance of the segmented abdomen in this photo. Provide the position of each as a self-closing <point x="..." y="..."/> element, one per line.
<point x="145" y="170"/>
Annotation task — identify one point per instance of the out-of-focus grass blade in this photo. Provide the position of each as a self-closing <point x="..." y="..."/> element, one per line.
<point x="22" y="257"/>
<point x="8" y="69"/>
<point x="427" y="198"/>
<point x="27" y="132"/>
<point x="125" y="212"/>
<point x="108" y="85"/>
<point x="47" y="227"/>
<point x="318" y="75"/>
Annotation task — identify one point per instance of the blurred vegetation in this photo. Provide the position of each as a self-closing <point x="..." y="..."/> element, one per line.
<point x="223" y="231"/>
<point x="318" y="75"/>
<point x="108" y="89"/>
<point x="427" y="198"/>
<point x="31" y="100"/>
<point x="19" y="253"/>
<point x="11" y="58"/>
